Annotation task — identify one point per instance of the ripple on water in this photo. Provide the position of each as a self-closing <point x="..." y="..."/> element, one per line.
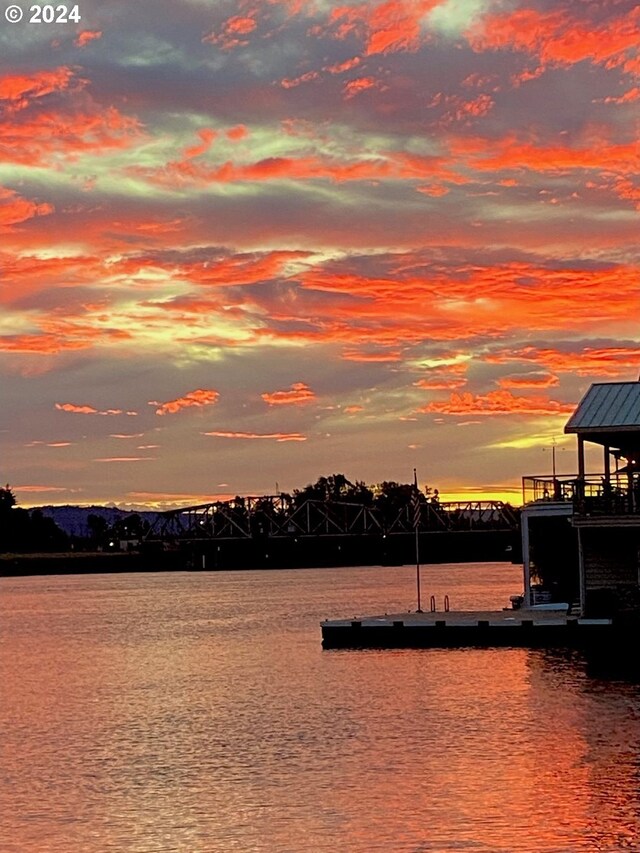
<point x="196" y="712"/>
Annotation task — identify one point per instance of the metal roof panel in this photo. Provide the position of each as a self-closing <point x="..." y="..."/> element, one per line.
<point x="607" y="406"/>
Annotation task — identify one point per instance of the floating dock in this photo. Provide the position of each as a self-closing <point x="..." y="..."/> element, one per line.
<point x="527" y="628"/>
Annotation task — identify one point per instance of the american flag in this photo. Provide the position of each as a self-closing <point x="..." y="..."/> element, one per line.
<point x="415" y="503"/>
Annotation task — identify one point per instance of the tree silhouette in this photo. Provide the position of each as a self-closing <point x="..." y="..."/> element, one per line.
<point x="7" y="499"/>
<point x="24" y="531"/>
<point x="335" y="487"/>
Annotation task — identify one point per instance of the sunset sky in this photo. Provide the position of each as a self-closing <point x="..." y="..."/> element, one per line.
<point x="249" y="243"/>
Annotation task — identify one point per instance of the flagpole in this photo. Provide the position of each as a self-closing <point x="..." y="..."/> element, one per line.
<point x="416" y="525"/>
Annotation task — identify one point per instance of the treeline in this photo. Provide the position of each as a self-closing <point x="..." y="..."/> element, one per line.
<point x="337" y="487"/>
<point x="24" y="531"/>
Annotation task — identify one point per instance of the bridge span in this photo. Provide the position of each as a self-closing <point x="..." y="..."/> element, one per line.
<point x="283" y="517"/>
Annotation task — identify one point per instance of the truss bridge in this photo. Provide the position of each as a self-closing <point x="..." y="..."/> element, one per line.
<point x="282" y="517"/>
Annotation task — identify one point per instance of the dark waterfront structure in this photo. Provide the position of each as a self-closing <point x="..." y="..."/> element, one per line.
<point x="512" y="628"/>
<point x="581" y="532"/>
<point x="580" y="548"/>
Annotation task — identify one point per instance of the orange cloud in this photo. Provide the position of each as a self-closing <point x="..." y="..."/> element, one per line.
<point x="239" y="131"/>
<point x="497" y="403"/>
<point x="529" y="380"/>
<point x="297" y="394"/>
<point x="200" y="397"/>
<point x="341" y="67"/>
<point x="243" y="268"/>
<point x="358" y="355"/>
<point x="434" y="190"/>
<point x="559" y="37"/>
<point x="458" y="109"/>
<point x="291" y="83"/>
<point x="87" y="36"/>
<point x="79" y="410"/>
<point x="49" y="443"/>
<point x="388" y="27"/>
<point x="19" y="89"/>
<point x="207" y="135"/>
<point x="388" y="165"/>
<point x="15" y="209"/>
<point x="126" y="435"/>
<point x="64" y="337"/>
<point x="585" y="361"/>
<point x="441" y="383"/>
<point x="37" y="489"/>
<point x="125" y="459"/>
<point x="444" y="378"/>
<point x="629" y="96"/>
<point x="90" y="410"/>
<point x="593" y="151"/>
<point x="239" y="24"/>
<point x="352" y="410"/>
<point x="160" y="499"/>
<point x="77" y="125"/>
<point x="231" y="33"/>
<point x="273" y="436"/>
<point x="43" y="344"/>
<point x="354" y="87"/>
<point x="410" y="302"/>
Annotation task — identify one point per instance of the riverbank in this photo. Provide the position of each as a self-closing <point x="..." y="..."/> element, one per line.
<point x="73" y="562"/>
<point x="276" y="553"/>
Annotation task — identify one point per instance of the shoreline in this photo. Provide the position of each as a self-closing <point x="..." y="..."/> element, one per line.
<point x="100" y="562"/>
<point x="71" y="563"/>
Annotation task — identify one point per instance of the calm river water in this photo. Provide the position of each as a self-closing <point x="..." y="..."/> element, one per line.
<point x="197" y="713"/>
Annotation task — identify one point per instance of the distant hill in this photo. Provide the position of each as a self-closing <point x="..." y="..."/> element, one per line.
<point x="73" y="519"/>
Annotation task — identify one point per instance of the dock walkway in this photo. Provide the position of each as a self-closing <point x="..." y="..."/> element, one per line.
<point x="524" y="627"/>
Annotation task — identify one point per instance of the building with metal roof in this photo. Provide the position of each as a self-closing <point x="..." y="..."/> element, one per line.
<point x="602" y="563"/>
<point x="609" y="414"/>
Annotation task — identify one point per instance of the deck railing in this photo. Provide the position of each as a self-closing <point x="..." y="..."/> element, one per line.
<point x="595" y="494"/>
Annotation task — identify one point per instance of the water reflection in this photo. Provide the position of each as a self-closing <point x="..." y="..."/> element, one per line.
<point x="198" y="713"/>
